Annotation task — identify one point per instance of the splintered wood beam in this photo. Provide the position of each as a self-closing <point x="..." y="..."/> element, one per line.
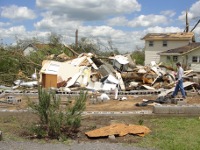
<point x="73" y="51"/>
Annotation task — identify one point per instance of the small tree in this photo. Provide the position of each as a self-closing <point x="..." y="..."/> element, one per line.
<point x="73" y="117"/>
<point x="54" y="39"/>
<point x="52" y="121"/>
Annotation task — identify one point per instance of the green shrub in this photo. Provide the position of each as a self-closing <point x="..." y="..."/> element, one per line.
<point x="52" y="121"/>
<point x="138" y="56"/>
<point x="38" y="130"/>
<point x="73" y="114"/>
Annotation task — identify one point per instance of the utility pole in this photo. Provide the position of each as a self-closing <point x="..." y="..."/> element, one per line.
<point x="76" y="38"/>
<point x="187" y="23"/>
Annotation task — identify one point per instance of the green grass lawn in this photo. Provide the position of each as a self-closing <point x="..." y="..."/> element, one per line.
<point x="167" y="132"/>
<point x="172" y="133"/>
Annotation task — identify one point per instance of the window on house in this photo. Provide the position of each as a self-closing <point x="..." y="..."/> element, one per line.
<point x="168" y="58"/>
<point x="175" y="58"/>
<point x="196" y="59"/>
<point x="150" y="43"/>
<point x="164" y="43"/>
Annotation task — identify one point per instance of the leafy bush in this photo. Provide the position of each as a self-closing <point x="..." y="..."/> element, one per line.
<point x="138" y="56"/>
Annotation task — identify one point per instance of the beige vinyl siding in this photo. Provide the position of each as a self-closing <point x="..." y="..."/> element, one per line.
<point x="170" y="61"/>
<point x="194" y="66"/>
<point x="151" y="56"/>
<point x="158" y="45"/>
<point x="185" y="60"/>
<point x="193" y="53"/>
<point x="151" y="52"/>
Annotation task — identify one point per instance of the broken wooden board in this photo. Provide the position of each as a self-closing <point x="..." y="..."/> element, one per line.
<point x="1" y="136"/>
<point x="119" y="129"/>
<point x="73" y="79"/>
<point x="185" y="84"/>
<point x="148" y="87"/>
<point x="92" y="63"/>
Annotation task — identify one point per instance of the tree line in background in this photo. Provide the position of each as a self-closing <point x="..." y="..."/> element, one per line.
<point x="15" y="65"/>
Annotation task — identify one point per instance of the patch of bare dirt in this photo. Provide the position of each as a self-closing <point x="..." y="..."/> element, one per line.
<point x="120" y="105"/>
<point x="110" y="105"/>
<point x="91" y="122"/>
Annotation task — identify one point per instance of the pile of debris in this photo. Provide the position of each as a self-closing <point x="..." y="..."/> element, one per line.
<point x="115" y="73"/>
<point x="10" y="100"/>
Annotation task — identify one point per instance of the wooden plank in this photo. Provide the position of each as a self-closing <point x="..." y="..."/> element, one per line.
<point x="164" y="93"/>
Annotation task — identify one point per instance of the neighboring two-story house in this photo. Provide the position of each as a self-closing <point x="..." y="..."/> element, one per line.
<point x="155" y="43"/>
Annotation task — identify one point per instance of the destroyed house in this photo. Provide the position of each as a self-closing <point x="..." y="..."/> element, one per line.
<point x="54" y="72"/>
<point x="188" y="55"/>
<point x="159" y="42"/>
<point x="34" y="47"/>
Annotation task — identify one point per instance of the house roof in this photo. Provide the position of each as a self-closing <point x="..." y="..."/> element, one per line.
<point x="181" y="50"/>
<point x="169" y="36"/>
<point x="42" y="46"/>
<point x="38" y="46"/>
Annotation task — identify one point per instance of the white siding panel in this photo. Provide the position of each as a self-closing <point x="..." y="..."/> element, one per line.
<point x="159" y="47"/>
<point x="28" y="50"/>
<point x="151" y="52"/>
<point x="151" y="56"/>
<point x="195" y="67"/>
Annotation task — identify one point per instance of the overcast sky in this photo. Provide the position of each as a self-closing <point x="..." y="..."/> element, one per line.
<point x="124" y="22"/>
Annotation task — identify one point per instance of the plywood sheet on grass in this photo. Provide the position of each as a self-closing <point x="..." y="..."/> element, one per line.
<point x="119" y="129"/>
